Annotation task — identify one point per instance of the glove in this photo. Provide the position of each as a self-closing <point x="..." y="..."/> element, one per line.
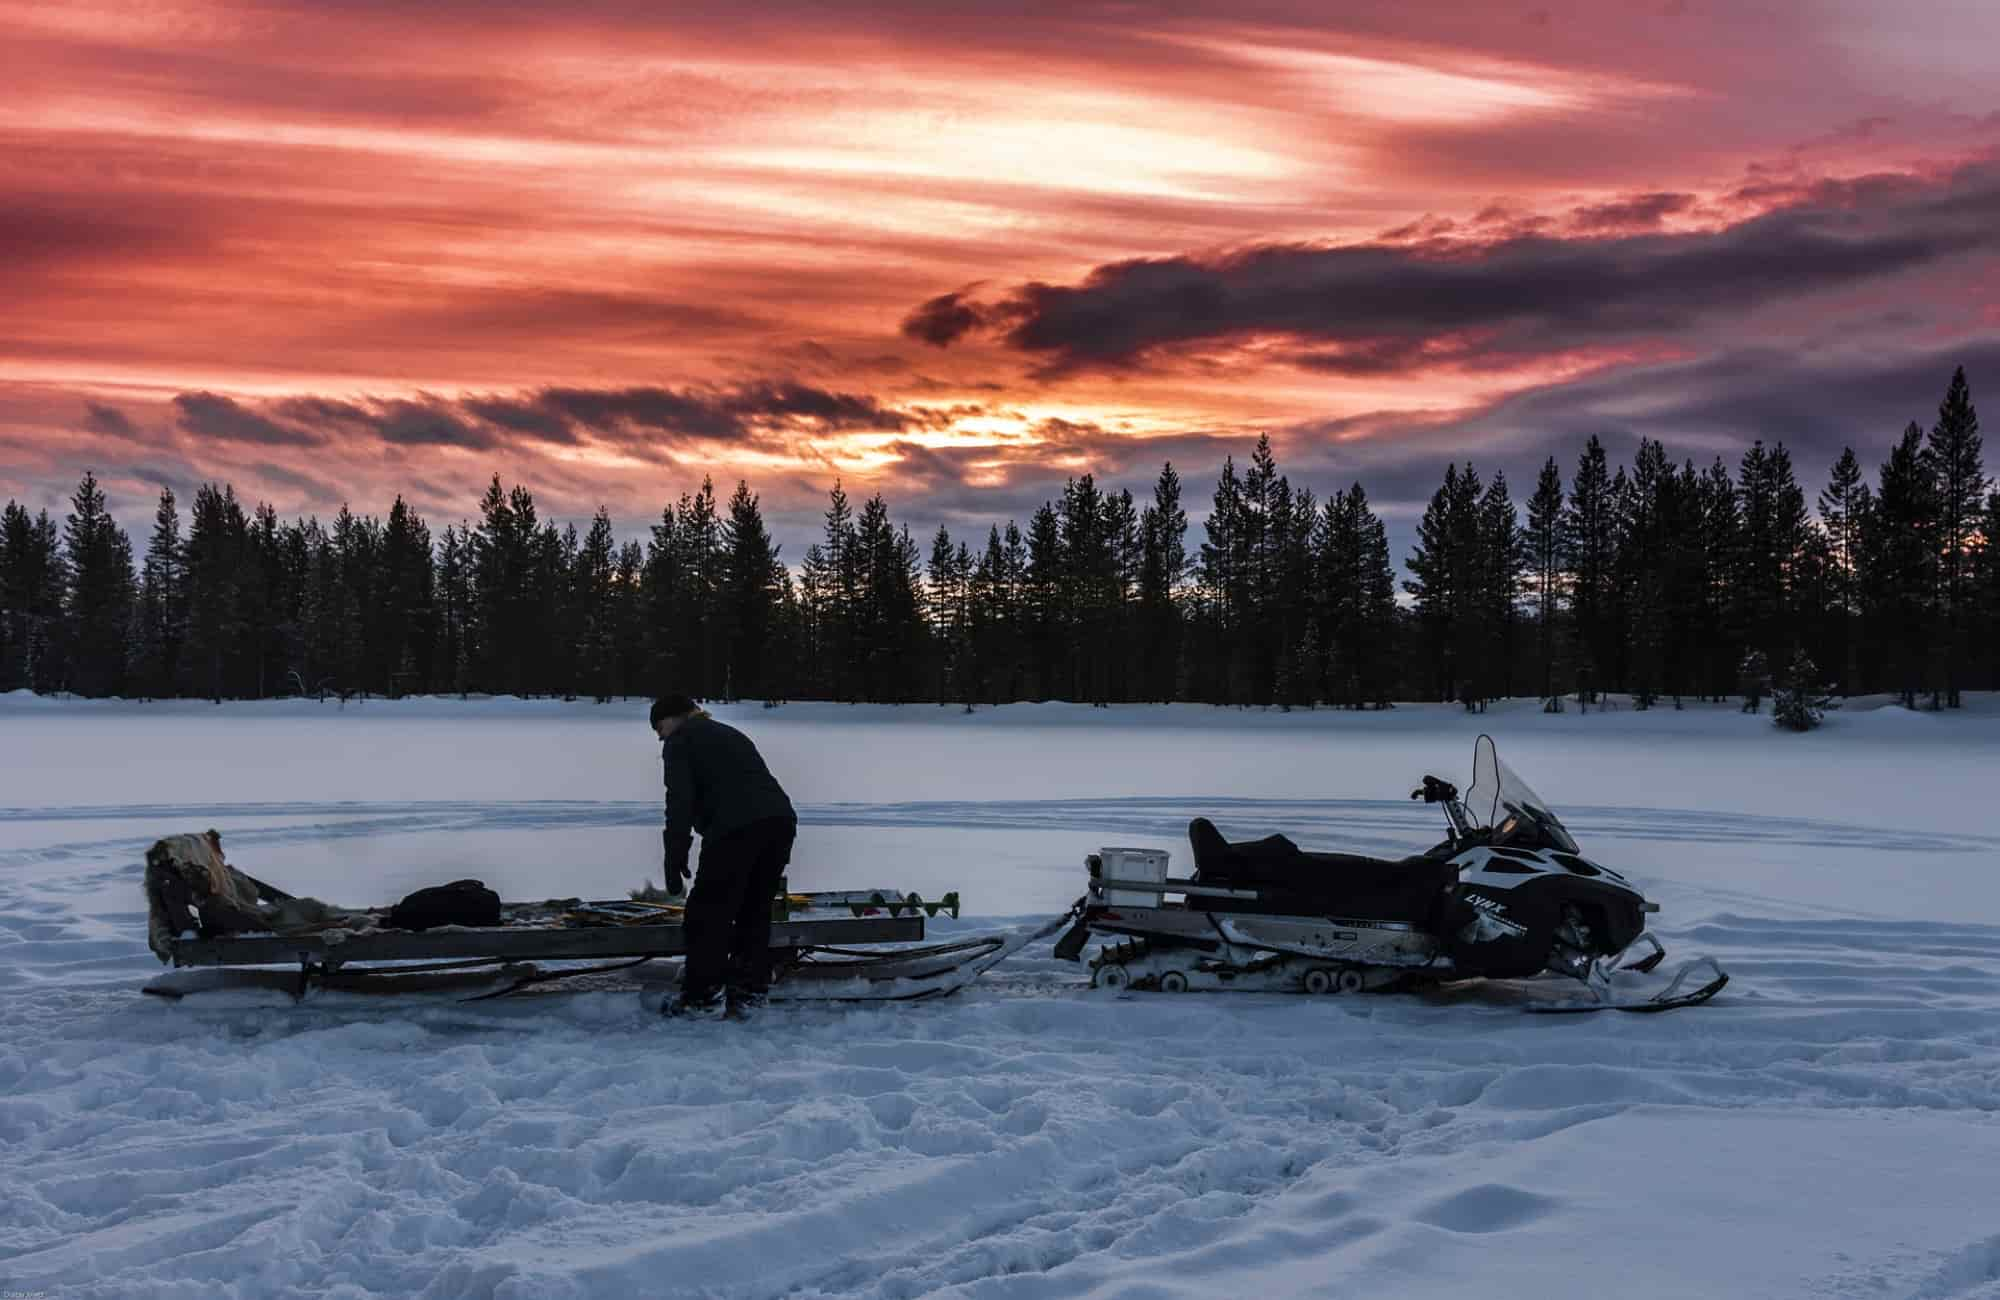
<point x="674" y="872"/>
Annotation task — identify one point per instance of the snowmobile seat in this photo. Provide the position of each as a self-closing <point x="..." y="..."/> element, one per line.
<point x="1290" y="880"/>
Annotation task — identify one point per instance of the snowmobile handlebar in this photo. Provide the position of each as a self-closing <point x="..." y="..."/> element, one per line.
<point x="1435" y="790"/>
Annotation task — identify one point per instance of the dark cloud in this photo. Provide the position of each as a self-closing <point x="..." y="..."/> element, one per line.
<point x="530" y="418"/>
<point x="743" y="413"/>
<point x="401" y="422"/>
<point x="1520" y="295"/>
<point x="100" y="418"/>
<point x="1633" y="212"/>
<point x="223" y="419"/>
<point x="945" y="319"/>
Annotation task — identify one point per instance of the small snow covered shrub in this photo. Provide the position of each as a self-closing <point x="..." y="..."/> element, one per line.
<point x="1801" y="700"/>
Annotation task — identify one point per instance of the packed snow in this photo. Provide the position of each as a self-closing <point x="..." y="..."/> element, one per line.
<point x="1826" y="1127"/>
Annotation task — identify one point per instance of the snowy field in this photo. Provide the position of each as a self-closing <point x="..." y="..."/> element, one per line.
<point x="1826" y="1127"/>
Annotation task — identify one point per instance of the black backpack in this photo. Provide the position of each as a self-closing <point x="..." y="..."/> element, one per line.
<point x="462" y="902"/>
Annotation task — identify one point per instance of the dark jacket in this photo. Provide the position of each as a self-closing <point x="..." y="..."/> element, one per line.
<point x="716" y="783"/>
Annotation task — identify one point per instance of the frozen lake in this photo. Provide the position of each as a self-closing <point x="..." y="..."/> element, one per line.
<point x="1826" y="1127"/>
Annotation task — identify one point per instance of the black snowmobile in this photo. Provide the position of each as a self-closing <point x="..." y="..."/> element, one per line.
<point x="1506" y="895"/>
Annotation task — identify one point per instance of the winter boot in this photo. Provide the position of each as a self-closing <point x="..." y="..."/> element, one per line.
<point x="745" y="1003"/>
<point x="702" y="1006"/>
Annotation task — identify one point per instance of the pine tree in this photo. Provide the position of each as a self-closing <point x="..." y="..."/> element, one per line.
<point x="1380" y="619"/>
<point x="750" y="582"/>
<point x="595" y="621"/>
<point x="1844" y="506"/>
<point x="839" y="595"/>
<point x="1643" y="566"/>
<point x="1773" y="525"/>
<point x="1162" y="567"/>
<point x="1901" y="551"/>
<point x="1546" y="575"/>
<point x="217" y="537"/>
<point x="1952" y="453"/>
<point x="455" y="610"/>
<point x="632" y="628"/>
<point x="99" y="604"/>
<point x="1590" y="542"/>
<point x="1720" y="533"/>
<point x="31" y="598"/>
<point x="660" y="593"/>
<point x="555" y="596"/>
<point x="700" y="562"/>
<point x="1499" y="557"/>
<point x="1225" y="583"/>
<point x="350" y="603"/>
<point x="947" y="611"/>
<point x="404" y="591"/>
<point x="1986" y="573"/>
<point x="1446" y="606"/>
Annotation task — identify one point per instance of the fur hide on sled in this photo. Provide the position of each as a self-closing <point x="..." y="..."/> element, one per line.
<point x="190" y="887"/>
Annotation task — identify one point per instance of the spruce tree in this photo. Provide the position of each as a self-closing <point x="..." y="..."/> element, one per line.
<point x="1901" y="550"/>
<point x="1844" y="505"/>
<point x="1225" y="580"/>
<point x="750" y="582"/>
<point x="456" y="632"/>
<point x="838" y="616"/>
<point x="161" y="622"/>
<point x="632" y="628"/>
<point x="99" y="604"/>
<point x="1986" y="571"/>
<point x="699" y="560"/>
<point x="1958" y="475"/>
<point x="1590" y="541"/>
<point x="595" y="623"/>
<point x="1044" y="609"/>
<point x="1501" y="561"/>
<point x="404" y="592"/>
<point x="1547" y="575"/>
<point x="1436" y="574"/>
<point x="1720" y="533"/>
<point x="660" y="585"/>
<point x="31" y="600"/>
<point x="216" y="544"/>
<point x="1162" y="566"/>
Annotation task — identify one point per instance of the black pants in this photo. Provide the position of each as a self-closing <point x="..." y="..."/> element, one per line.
<point x="728" y="918"/>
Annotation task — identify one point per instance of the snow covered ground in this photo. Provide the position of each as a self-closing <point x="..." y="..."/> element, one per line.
<point x="1826" y="1127"/>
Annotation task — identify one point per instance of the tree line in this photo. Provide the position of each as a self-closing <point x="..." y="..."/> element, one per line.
<point x="1666" y="581"/>
<point x="1659" y="580"/>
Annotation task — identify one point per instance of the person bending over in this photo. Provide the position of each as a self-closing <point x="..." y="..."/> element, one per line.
<point x="719" y="788"/>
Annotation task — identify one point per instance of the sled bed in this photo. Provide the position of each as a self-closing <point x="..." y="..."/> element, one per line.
<point x="494" y="960"/>
<point x="520" y="942"/>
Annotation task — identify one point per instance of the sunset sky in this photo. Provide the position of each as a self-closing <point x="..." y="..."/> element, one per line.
<point x="960" y="251"/>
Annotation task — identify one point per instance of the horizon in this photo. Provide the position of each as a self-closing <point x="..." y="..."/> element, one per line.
<point x="960" y="258"/>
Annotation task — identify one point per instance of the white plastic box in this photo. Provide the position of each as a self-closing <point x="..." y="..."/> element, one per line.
<point x="1135" y="865"/>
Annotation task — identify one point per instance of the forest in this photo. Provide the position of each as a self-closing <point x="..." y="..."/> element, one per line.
<point x="1657" y="581"/>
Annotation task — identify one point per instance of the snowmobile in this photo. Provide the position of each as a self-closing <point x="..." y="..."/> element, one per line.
<point x="1506" y="895"/>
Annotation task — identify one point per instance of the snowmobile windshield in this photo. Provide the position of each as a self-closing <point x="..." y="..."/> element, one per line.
<point x="1500" y="801"/>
